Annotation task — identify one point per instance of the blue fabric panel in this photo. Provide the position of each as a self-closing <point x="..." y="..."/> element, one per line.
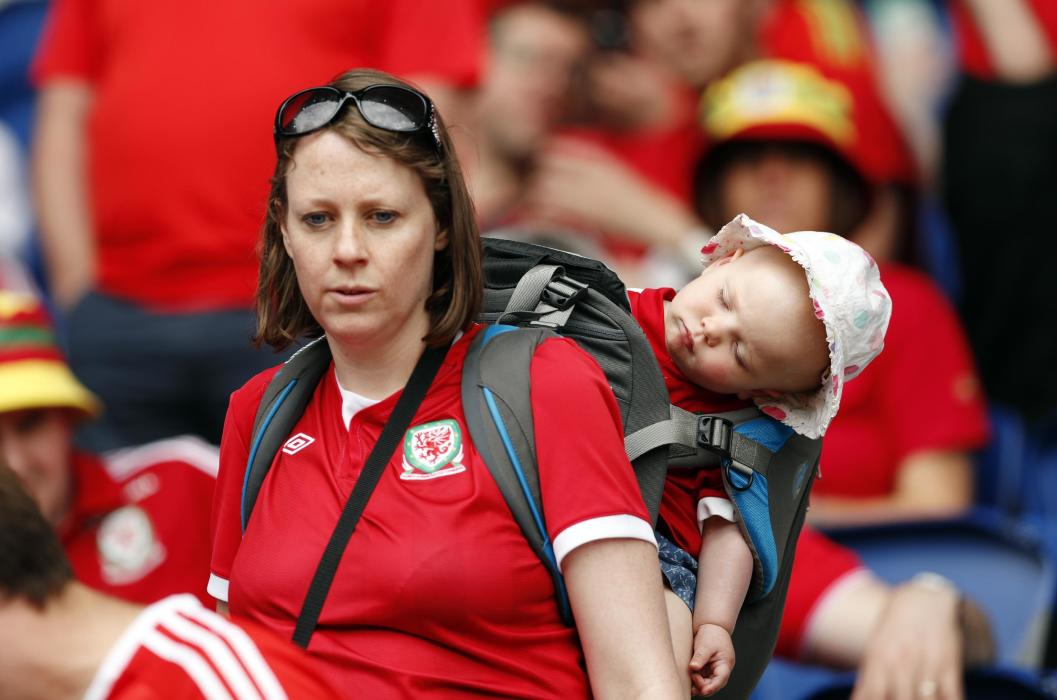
<point x="494" y="330"/>
<point x="766" y="431"/>
<point x="753" y="505"/>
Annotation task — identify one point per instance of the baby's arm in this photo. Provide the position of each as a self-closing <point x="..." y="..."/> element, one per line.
<point x="725" y="569"/>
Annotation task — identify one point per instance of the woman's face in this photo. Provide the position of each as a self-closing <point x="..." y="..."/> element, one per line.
<point x="35" y="444"/>
<point x="361" y="233"/>
<point x="786" y="190"/>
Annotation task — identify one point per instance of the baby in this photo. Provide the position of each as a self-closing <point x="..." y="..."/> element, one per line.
<point x="784" y="321"/>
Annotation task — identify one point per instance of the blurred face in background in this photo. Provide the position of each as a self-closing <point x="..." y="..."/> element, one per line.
<point x="534" y="55"/>
<point x="786" y="188"/>
<point x="699" y="40"/>
<point x="35" y="444"/>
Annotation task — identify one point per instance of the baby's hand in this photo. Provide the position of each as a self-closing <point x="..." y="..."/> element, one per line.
<point x="713" y="659"/>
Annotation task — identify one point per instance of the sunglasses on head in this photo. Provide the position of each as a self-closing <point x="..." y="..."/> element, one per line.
<point x="388" y="107"/>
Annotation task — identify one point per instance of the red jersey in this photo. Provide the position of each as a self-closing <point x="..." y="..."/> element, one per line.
<point x="179" y="133"/>
<point x="138" y="527"/>
<point x="439" y="592"/>
<point x="177" y="649"/>
<point x="684" y="489"/>
<point x="921" y="393"/>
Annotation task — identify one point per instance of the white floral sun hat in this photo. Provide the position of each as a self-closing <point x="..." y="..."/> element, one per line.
<point x="845" y="288"/>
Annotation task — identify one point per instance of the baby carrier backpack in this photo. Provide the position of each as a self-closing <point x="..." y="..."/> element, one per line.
<point x="531" y="293"/>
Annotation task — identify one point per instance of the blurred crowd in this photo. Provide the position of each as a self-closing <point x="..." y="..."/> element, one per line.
<point x="135" y="156"/>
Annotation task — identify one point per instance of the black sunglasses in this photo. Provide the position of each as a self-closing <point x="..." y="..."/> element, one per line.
<point x="388" y="107"/>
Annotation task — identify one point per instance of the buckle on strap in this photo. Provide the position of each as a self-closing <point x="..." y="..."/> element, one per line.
<point x="562" y="292"/>
<point x="715" y="434"/>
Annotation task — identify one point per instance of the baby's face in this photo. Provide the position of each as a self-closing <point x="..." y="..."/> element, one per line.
<point x="746" y="325"/>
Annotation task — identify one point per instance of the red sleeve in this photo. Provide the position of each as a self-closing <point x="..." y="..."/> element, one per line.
<point x="584" y="471"/>
<point x="932" y="395"/>
<point x="429" y="39"/>
<point x="819" y="563"/>
<point x="711" y="485"/>
<point x="226" y="521"/>
<point x="68" y="46"/>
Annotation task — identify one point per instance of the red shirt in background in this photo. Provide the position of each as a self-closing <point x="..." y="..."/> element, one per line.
<point x="833" y="37"/>
<point x="178" y="650"/>
<point x="179" y="133"/>
<point x="138" y="527"/>
<point x="921" y="393"/>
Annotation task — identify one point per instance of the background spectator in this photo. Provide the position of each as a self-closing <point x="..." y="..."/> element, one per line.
<point x="134" y="524"/>
<point x="149" y="243"/>
<point x="1000" y="189"/>
<point x="62" y="639"/>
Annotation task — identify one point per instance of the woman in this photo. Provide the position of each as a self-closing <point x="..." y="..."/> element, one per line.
<point x="370" y="239"/>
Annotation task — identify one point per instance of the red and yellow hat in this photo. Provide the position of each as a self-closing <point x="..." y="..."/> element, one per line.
<point x="781" y="100"/>
<point x="33" y="372"/>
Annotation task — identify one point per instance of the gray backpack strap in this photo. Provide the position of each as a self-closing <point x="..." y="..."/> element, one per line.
<point x="695" y="437"/>
<point x="544" y="296"/>
<point x="497" y="406"/>
<point x="282" y="404"/>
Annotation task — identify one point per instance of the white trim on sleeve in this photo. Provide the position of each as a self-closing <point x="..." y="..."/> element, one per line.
<point x="120" y="654"/>
<point x="714" y="506"/>
<point x="859" y="576"/>
<point x="122" y="463"/>
<point x="218" y="588"/>
<point x="608" y="527"/>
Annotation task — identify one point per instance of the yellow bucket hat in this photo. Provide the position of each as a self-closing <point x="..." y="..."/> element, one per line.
<point x="33" y="372"/>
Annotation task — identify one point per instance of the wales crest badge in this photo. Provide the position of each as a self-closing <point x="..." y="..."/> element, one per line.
<point x="432" y="450"/>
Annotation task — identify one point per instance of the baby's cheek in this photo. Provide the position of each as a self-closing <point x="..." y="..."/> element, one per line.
<point x="714" y="375"/>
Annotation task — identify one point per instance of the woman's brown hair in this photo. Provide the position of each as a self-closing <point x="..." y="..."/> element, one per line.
<point x="282" y="314"/>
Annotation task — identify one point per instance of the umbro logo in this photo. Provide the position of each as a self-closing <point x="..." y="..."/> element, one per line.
<point x="297" y="443"/>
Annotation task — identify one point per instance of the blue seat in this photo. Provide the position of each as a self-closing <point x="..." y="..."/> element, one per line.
<point x="788" y="681"/>
<point x="994" y="683"/>
<point x="785" y="680"/>
<point x="1002" y="465"/>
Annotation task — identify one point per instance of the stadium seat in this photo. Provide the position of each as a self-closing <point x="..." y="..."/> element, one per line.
<point x="994" y="683"/>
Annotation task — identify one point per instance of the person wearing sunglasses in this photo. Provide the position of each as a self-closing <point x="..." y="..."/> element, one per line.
<point x="370" y="239"/>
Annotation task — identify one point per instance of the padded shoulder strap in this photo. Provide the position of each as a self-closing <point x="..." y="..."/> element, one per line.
<point x="497" y="406"/>
<point x="281" y="406"/>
